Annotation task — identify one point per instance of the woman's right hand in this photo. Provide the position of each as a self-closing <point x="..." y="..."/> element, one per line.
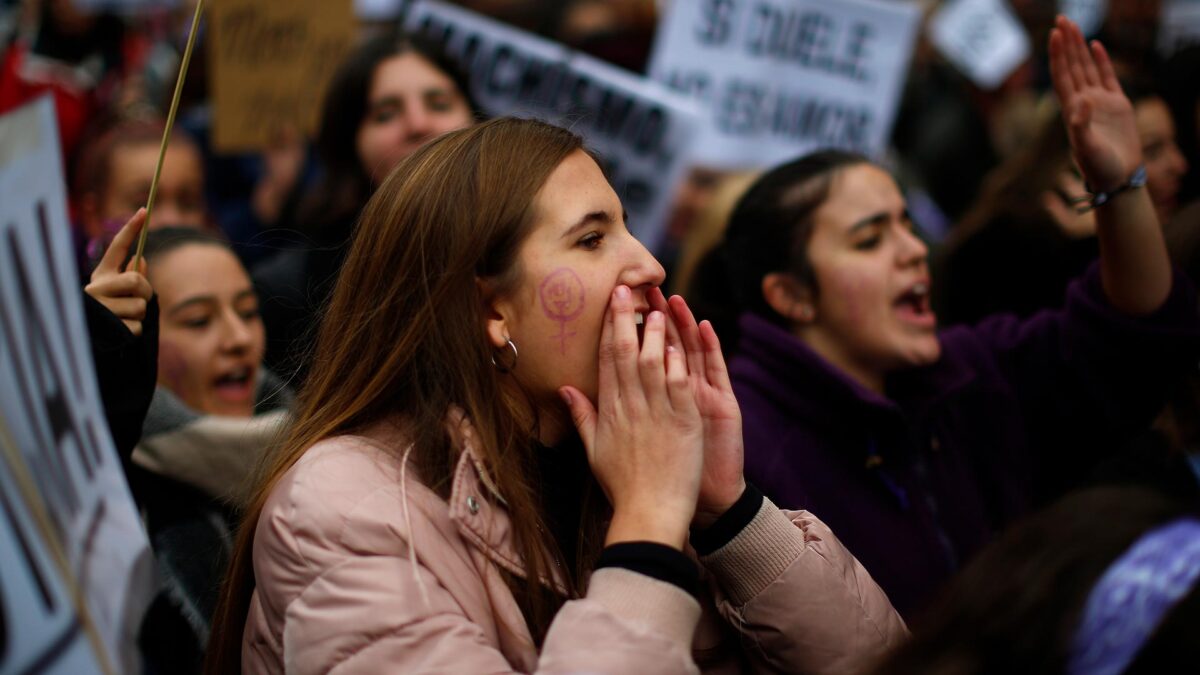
<point x="124" y="293"/>
<point x="1099" y="117"/>
<point x="645" y="437"/>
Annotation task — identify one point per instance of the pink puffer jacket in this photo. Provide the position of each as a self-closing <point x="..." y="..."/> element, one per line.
<point x="349" y="580"/>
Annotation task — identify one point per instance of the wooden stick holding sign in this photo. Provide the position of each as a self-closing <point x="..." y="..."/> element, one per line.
<point x="162" y="150"/>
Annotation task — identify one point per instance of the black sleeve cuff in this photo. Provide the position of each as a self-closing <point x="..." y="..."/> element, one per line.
<point x="730" y="524"/>
<point x="655" y="560"/>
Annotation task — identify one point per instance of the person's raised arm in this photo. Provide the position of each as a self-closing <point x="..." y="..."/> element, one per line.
<point x="1134" y="266"/>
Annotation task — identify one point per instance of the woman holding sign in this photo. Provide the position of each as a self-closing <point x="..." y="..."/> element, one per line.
<point x="507" y="442"/>
<point x="918" y="445"/>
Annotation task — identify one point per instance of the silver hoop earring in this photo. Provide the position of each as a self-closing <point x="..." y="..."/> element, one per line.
<point x="506" y="367"/>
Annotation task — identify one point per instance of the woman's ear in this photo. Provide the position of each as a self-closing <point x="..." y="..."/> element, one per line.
<point x="495" y="313"/>
<point x="788" y="297"/>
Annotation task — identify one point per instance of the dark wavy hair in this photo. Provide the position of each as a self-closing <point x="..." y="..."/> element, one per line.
<point x="344" y="186"/>
<point x="769" y="231"/>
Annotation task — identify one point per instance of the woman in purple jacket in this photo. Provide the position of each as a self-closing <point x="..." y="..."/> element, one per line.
<point x="918" y="445"/>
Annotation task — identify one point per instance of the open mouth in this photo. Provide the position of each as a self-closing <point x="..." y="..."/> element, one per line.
<point x="236" y="384"/>
<point x="914" y="305"/>
<point x="639" y="320"/>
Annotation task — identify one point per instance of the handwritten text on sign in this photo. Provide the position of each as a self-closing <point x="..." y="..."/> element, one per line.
<point x="269" y="64"/>
<point x="643" y="131"/>
<point x="50" y="409"/>
<point x="784" y="77"/>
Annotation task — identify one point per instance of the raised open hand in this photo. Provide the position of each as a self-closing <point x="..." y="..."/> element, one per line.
<point x="124" y="293"/>
<point x="722" y="482"/>
<point x="1098" y="115"/>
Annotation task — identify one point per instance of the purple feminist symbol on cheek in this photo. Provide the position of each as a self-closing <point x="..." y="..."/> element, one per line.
<point x="561" y="293"/>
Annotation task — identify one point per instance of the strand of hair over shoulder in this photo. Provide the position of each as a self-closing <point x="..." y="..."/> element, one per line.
<point x="412" y="547"/>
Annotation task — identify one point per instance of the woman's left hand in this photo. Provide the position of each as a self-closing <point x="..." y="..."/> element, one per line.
<point x="1098" y="115"/>
<point x="125" y="293"/>
<point x="722" y="482"/>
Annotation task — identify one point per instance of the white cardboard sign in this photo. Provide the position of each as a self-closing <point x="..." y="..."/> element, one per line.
<point x="1179" y="25"/>
<point x="981" y="38"/>
<point x="644" y="131"/>
<point x="53" y="421"/>
<point x="1088" y="14"/>
<point x="780" y="78"/>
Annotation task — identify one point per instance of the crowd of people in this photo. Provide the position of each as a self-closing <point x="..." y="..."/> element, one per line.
<point x="410" y="397"/>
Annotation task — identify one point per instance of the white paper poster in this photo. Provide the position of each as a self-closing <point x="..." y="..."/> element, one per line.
<point x="53" y="431"/>
<point x="1179" y="25"/>
<point x="644" y="131"/>
<point x="982" y="38"/>
<point x="780" y="78"/>
<point x="1087" y="14"/>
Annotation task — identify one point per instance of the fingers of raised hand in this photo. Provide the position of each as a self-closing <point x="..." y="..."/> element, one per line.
<point x="1075" y="57"/>
<point x="583" y="414"/>
<point x="134" y="327"/>
<point x="650" y="360"/>
<point x="125" y="284"/>
<point x="607" y="380"/>
<point x="678" y="387"/>
<point x="624" y="345"/>
<point x="1060" y="73"/>
<point x="141" y="285"/>
<point x="139" y="266"/>
<point x="659" y="302"/>
<point x="127" y="308"/>
<point x="715" y="368"/>
<point x="1108" y="75"/>
<point x="685" y="321"/>
<point x="119" y="248"/>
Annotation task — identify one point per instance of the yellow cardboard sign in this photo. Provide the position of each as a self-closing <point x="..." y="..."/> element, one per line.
<point x="269" y="63"/>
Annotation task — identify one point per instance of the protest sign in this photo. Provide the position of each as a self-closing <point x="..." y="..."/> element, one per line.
<point x="75" y="567"/>
<point x="1087" y="14"/>
<point x="779" y="78"/>
<point x="1179" y="25"/>
<point x="981" y="38"/>
<point x="643" y="131"/>
<point x="269" y="64"/>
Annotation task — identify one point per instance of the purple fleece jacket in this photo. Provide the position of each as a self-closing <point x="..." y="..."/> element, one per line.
<point x="1012" y="414"/>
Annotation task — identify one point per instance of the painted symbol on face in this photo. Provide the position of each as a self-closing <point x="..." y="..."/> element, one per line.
<point x="561" y="293"/>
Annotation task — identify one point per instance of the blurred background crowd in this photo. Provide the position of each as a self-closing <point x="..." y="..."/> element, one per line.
<point x="260" y="236"/>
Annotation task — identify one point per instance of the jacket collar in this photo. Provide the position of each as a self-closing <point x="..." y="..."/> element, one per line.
<point x="822" y="386"/>
<point x="479" y="510"/>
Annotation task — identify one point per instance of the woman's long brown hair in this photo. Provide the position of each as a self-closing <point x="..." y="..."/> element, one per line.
<point x="403" y="337"/>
